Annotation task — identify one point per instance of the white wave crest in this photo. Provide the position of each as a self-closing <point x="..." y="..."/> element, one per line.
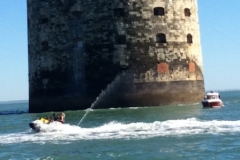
<point x="115" y="130"/>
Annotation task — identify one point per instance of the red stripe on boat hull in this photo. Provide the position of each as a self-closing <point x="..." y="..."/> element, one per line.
<point x="211" y="104"/>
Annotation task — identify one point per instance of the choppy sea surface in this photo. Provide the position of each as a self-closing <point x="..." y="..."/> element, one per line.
<point x="181" y="132"/>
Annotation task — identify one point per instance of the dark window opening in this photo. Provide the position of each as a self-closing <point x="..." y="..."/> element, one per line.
<point x="45" y="45"/>
<point x="134" y="4"/>
<point x="189" y="39"/>
<point x="158" y="11"/>
<point x="44" y="21"/>
<point x="187" y="12"/>
<point x="45" y="74"/>
<point x="121" y="39"/>
<point x="119" y="12"/>
<point x="77" y="13"/>
<point x="161" y="38"/>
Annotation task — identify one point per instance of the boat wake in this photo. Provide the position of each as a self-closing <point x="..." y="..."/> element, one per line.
<point x="61" y="133"/>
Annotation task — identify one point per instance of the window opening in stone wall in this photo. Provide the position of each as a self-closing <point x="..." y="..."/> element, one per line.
<point x="119" y="12"/>
<point x="158" y="11"/>
<point x="45" y="45"/>
<point x="121" y="39"/>
<point x="134" y="4"/>
<point x="44" y="20"/>
<point x="161" y="38"/>
<point x="189" y="39"/>
<point x="77" y="13"/>
<point x="187" y="12"/>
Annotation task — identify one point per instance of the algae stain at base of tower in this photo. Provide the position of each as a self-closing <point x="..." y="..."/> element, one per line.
<point x="76" y="50"/>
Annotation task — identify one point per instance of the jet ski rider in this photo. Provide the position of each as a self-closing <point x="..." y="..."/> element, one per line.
<point x="61" y="118"/>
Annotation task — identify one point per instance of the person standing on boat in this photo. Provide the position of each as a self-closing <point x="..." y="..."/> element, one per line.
<point x="205" y="97"/>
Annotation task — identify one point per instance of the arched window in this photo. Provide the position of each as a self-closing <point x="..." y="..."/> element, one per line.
<point x="187" y="12"/>
<point x="77" y="13"/>
<point x="121" y="39"/>
<point x="158" y="11"/>
<point x="189" y="39"/>
<point x="43" y="20"/>
<point x="119" y="12"/>
<point x="161" y="38"/>
<point x="45" y="45"/>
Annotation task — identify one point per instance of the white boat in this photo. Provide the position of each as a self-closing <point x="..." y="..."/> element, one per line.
<point x="212" y="100"/>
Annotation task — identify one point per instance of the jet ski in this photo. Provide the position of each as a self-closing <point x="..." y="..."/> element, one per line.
<point x="35" y="125"/>
<point x="41" y="124"/>
<point x="50" y="123"/>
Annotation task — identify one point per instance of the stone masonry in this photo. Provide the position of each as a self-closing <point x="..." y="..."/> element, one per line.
<point x="77" y="48"/>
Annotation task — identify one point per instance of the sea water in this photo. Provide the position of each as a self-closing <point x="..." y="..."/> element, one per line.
<point x="179" y="132"/>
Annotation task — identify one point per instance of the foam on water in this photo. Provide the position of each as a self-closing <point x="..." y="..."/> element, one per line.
<point x="65" y="133"/>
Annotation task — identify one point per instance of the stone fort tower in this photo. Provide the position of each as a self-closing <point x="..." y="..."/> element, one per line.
<point x="78" y="47"/>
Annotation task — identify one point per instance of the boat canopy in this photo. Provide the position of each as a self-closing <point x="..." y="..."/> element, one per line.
<point x="212" y="95"/>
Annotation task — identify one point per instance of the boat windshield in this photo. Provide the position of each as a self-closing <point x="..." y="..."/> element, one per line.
<point x="212" y="96"/>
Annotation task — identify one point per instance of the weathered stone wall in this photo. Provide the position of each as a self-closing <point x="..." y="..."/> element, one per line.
<point x="56" y="54"/>
<point x="174" y="60"/>
<point x="76" y="48"/>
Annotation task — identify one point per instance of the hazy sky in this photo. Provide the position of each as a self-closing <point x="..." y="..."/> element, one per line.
<point x="220" y="40"/>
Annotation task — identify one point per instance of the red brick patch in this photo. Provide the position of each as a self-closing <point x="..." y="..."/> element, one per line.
<point x="163" y="68"/>
<point x="192" y="67"/>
